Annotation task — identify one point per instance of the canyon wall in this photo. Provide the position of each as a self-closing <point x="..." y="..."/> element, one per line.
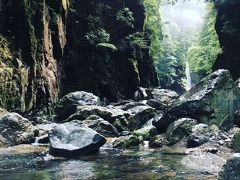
<point x="228" y="30"/>
<point x="51" y="47"/>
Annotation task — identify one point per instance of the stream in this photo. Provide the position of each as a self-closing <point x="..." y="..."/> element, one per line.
<point x="136" y="163"/>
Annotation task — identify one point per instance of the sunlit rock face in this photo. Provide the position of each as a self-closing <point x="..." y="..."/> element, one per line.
<point x="212" y="101"/>
<point x="228" y="30"/>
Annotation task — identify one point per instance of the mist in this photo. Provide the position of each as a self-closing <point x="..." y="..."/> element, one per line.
<point x="183" y="16"/>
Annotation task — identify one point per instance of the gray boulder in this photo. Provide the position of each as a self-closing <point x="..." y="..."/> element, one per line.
<point x="15" y="129"/>
<point x="67" y="105"/>
<point x="127" y="141"/>
<point x="201" y="133"/>
<point x="108" y="114"/>
<point x="179" y="130"/>
<point x="230" y="170"/>
<point x="72" y="139"/>
<point x="139" y="115"/>
<point x="213" y="100"/>
<point x="161" y="99"/>
<point x="101" y="126"/>
<point x="236" y="142"/>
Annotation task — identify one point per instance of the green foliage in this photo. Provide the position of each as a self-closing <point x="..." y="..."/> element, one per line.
<point x="5" y="54"/>
<point x="154" y="26"/>
<point x="125" y="17"/>
<point x="97" y="36"/>
<point x="170" y="64"/>
<point x="138" y="40"/>
<point x="204" y="52"/>
<point x="107" y="45"/>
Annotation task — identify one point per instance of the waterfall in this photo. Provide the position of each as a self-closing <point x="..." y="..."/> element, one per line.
<point x="188" y="75"/>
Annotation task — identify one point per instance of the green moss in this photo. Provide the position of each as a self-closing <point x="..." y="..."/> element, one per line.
<point x="125" y="17"/>
<point x="5" y="53"/>
<point x="107" y="45"/>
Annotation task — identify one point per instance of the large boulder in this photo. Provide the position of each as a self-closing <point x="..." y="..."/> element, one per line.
<point x="161" y="99"/>
<point x="230" y="170"/>
<point x="100" y="125"/>
<point x="213" y="100"/>
<point x="201" y="133"/>
<point x="236" y="142"/>
<point x="108" y="114"/>
<point x="139" y="115"/>
<point x="179" y="130"/>
<point x="15" y="129"/>
<point x="73" y="139"/>
<point x="68" y="104"/>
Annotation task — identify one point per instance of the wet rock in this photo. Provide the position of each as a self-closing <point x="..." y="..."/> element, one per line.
<point x="131" y="104"/>
<point x="161" y="99"/>
<point x="146" y="133"/>
<point x="230" y="170"/>
<point x="72" y="139"/>
<point x="139" y="116"/>
<point x="110" y="115"/>
<point x="68" y="104"/>
<point x="157" y="141"/>
<point x="44" y="129"/>
<point x="237" y="118"/>
<point x="141" y="94"/>
<point x="127" y="141"/>
<point x="236" y="142"/>
<point x="213" y="100"/>
<point x="204" y="162"/>
<point x="237" y="82"/>
<point x="15" y="129"/>
<point x="101" y="126"/>
<point x="179" y="130"/>
<point x="3" y="112"/>
<point x="201" y="133"/>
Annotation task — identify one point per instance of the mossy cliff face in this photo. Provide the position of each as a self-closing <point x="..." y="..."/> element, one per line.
<point x="228" y="30"/>
<point x="33" y="40"/>
<point x="107" y="48"/>
<point x="50" y="47"/>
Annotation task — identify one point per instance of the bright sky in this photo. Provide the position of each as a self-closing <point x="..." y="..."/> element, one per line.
<point x="187" y="14"/>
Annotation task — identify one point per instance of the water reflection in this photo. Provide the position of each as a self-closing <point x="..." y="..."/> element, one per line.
<point x="139" y="163"/>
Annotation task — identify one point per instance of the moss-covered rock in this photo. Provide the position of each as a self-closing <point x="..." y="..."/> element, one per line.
<point x="236" y="142"/>
<point x="146" y="133"/>
<point x="230" y="170"/>
<point x="128" y="141"/>
<point x="179" y="130"/>
<point x="157" y="141"/>
<point x="213" y="100"/>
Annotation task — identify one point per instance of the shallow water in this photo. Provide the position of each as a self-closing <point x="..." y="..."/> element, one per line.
<point x="138" y="163"/>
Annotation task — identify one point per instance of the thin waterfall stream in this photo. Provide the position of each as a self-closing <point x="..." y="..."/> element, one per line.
<point x="188" y="76"/>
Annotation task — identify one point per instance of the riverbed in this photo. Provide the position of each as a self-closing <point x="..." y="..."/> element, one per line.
<point x="136" y="163"/>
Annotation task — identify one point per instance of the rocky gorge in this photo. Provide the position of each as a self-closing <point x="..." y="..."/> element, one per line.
<point x="82" y="126"/>
<point x="81" y="96"/>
